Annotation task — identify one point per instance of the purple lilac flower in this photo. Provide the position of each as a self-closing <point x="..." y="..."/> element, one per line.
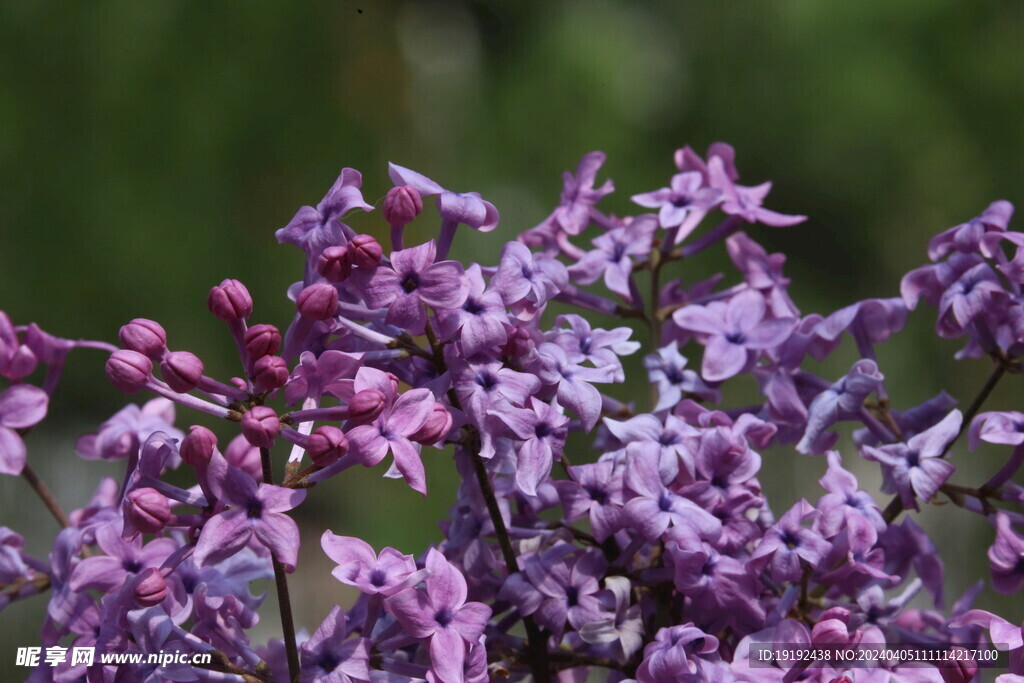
<point x="579" y="195"/>
<point x="479" y="323"/>
<point x="674" y="654"/>
<point x="412" y="280"/>
<point x="542" y="430"/>
<point x="359" y="566"/>
<point x="467" y="208"/>
<point x="840" y="400"/>
<point x="789" y="546"/>
<point x="255" y="510"/>
<point x="557" y="586"/>
<point x="673" y="442"/>
<point x="328" y="373"/>
<point x="331" y="658"/>
<point x="915" y="469"/>
<point x="844" y="499"/>
<point x="1007" y="557"/>
<point x="666" y="370"/>
<point x="595" y="491"/>
<point x="21" y="406"/>
<point x="763" y="272"/>
<point x="439" y="611"/>
<point x="315" y="229"/>
<point x="121" y="435"/>
<point x="573" y="382"/>
<point x="17" y="359"/>
<point x="732" y="332"/>
<point x="967" y="237"/>
<point x="653" y="507"/>
<point x="526" y="281"/>
<point x="122" y="558"/>
<point x="611" y="257"/>
<point x="742" y="201"/>
<point x="683" y="204"/>
<point x="392" y="429"/>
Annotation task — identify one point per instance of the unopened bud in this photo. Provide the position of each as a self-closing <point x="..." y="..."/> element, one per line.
<point x="364" y="251"/>
<point x="145" y="336"/>
<point x="128" y="370"/>
<point x="333" y="264"/>
<point x="326" y="445"/>
<point x="147" y="510"/>
<point x="230" y="301"/>
<point x="262" y="340"/>
<point x="198" y="445"/>
<point x="401" y="205"/>
<point x="435" y="428"/>
<point x="260" y="426"/>
<point x="319" y="301"/>
<point x="269" y="373"/>
<point x="149" y="588"/>
<point x="181" y="370"/>
<point x="366" y="406"/>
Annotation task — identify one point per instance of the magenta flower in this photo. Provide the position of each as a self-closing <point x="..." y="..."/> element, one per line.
<point x="732" y="332"/>
<point x="413" y="280"/>
<point x="674" y="654"/>
<point x="255" y="510"/>
<point x="439" y="611"/>
<point x="17" y="360"/>
<point x="21" y="406"/>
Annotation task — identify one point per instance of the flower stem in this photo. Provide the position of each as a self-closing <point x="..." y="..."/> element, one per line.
<point x="284" y="601"/>
<point x="45" y="495"/>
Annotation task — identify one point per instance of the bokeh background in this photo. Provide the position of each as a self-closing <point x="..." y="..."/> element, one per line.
<point x="149" y="150"/>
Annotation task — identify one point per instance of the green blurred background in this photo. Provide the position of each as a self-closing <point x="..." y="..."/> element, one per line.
<point x="150" y="149"/>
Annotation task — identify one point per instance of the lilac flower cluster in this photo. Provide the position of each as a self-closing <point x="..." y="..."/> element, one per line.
<point x="658" y="559"/>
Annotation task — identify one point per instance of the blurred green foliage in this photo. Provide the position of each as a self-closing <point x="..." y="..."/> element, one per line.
<point x="150" y="149"/>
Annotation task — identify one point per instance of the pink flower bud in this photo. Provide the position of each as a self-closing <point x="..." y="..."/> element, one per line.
<point x="364" y="251"/>
<point x="230" y="301"/>
<point x="269" y="373"/>
<point x="260" y="426"/>
<point x="519" y="343"/>
<point x="147" y="510"/>
<point x="333" y="264"/>
<point x="401" y="205"/>
<point x="145" y="336"/>
<point x="435" y="428"/>
<point x="149" y="588"/>
<point x="366" y="406"/>
<point x="246" y="457"/>
<point x="128" y="370"/>
<point x="262" y="340"/>
<point x="393" y="378"/>
<point x="181" y="370"/>
<point x="319" y="301"/>
<point x="198" y="445"/>
<point x="326" y="445"/>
